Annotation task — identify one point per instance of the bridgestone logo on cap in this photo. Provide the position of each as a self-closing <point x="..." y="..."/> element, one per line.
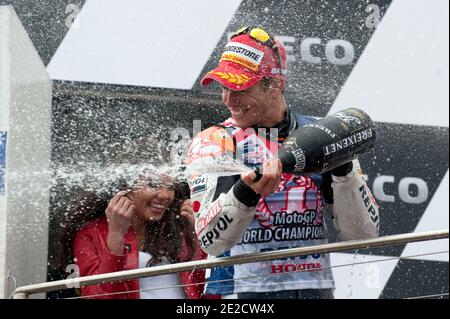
<point x="242" y="54"/>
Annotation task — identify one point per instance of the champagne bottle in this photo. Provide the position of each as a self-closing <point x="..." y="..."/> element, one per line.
<point x="327" y="143"/>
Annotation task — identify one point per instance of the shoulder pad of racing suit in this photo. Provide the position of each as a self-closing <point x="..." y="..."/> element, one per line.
<point x="211" y="142"/>
<point x="302" y="120"/>
<point x="223" y="209"/>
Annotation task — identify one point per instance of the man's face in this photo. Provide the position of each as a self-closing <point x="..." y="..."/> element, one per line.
<point x="249" y="107"/>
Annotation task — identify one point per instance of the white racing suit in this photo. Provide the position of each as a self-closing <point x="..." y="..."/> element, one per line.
<point x="231" y="219"/>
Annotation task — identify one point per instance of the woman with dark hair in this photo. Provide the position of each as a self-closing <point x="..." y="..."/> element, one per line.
<point x="148" y="224"/>
<point x="142" y="223"/>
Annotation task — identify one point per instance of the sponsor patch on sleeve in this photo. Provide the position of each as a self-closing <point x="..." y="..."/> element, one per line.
<point x="199" y="185"/>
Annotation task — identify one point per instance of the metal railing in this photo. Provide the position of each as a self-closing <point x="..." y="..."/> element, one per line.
<point x="25" y="291"/>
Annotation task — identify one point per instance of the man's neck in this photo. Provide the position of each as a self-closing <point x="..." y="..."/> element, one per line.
<point x="283" y="128"/>
<point x="276" y="118"/>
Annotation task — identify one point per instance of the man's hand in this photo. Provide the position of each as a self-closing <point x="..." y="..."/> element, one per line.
<point x="270" y="180"/>
<point x="342" y="170"/>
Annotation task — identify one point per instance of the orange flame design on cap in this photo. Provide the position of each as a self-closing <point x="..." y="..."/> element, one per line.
<point x="238" y="79"/>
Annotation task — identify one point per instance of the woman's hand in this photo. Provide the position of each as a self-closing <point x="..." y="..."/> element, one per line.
<point x="118" y="213"/>
<point x="187" y="211"/>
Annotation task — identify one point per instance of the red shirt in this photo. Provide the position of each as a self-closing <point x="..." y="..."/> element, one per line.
<point x="93" y="257"/>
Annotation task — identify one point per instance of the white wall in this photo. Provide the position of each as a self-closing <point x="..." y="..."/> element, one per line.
<point x="402" y="77"/>
<point x="25" y="109"/>
<point x="147" y="43"/>
<point x="403" y="74"/>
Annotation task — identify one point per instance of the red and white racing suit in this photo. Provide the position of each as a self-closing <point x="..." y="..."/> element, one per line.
<point x="231" y="219"/>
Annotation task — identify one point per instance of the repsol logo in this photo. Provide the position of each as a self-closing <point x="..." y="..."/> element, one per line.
<point x="210" y="236"/>
<point x="369" y="204"/>
<point x="411" y="190"/>
<point x="203" y="221"/>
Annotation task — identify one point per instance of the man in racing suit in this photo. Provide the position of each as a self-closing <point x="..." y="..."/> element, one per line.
<point x="236" y="214"/>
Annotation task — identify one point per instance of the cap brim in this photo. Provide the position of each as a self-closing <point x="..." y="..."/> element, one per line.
<point x="233" y="77"/>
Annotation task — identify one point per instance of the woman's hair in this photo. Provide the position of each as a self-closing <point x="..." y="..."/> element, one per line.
<point x="163" y="238"/>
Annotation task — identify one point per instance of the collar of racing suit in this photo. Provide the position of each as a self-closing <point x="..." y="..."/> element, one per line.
<point x="285" y="127"/>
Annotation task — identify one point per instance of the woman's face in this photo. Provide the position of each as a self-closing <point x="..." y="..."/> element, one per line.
<point x="152" y="199"/>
